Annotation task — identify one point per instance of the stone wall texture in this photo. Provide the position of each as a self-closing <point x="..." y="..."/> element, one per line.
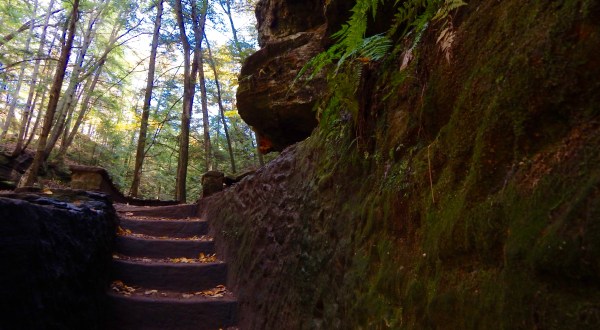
<point x="55" y="254"/>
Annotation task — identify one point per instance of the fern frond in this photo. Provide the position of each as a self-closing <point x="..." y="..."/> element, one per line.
<point x="351" y="41"/>
<point x="447" y="7"/>
<point x="375" y="47"/>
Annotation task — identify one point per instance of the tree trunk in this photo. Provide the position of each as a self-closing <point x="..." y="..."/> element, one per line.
<point x="141" y="145"/>
<point x="189" y="83"/>
<point x="68" y="140"/>
<point x="226" y="5"/>
<point x="15" y="98"/>
<point x="43" y="85"/>
<point x="29" y="106"/>
<point x="69" y="101"/>
<point x="188" y="99"/>
<point x="96" y="69"/>
<point x="220" y="102"/>
<point x="198" y="21"/>
<point x="205" y="119"/>
<point x="31" y="175"/>
<point x="38" y="118"/>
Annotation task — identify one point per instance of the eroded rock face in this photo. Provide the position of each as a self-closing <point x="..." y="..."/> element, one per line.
<point x="473" y="202"/>
<point x="55" y="255"/>
<point x="280" y="18"/>
<point x="291" y="32"/>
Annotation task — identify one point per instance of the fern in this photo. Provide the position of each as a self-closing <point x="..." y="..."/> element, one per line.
<point x="412" y="14"/>
<point x="351" y="42"/>
<point x="447" y="7"/>
<point x="369" y="49"/>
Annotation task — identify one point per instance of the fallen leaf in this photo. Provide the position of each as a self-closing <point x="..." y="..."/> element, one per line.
<point x="122" y="231"/>
<point x="216" y="292"/>
<point x="150" y="292"/>
<point x="406" y="58"/>
<point x="187" y="295"/>
<point x="120" y="287"/>
<point x="207" y="258"/>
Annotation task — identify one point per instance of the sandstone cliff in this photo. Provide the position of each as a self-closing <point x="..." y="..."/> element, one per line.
<point x="462" y="192"/>
<point x="290" y="33"/>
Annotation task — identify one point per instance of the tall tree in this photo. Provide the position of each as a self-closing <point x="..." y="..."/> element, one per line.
<point x="30" y="176"/>
<point x="69" y="100"/>
<point x="141" y="145"/>
<point x="70" y="135"/>
<point x="89" y="72"/>
<point x="198" y="24"/>
<point x="189" y="86"/>
<point x="226" y="6"/>
<point x="188" y="99"/>
<point x="213" y="65"/>
<point x="29" y="105"/>
<point x="15" y="98"/>
<point x="42" y="89"/>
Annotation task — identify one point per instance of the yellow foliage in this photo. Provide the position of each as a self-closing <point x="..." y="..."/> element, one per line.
<point x="123" y="127"/>
<point x="231" y="114"/>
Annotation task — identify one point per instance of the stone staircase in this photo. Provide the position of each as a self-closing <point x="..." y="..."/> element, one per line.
<point x="166" y="275"/>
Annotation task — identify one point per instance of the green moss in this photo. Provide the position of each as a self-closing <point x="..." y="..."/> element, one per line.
<point x="468" y="198"/>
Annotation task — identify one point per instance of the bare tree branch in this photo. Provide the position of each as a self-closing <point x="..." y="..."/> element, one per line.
<point x="24" y="27"/>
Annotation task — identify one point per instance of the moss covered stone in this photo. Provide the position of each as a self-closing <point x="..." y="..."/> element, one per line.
<point x="454" y="195"/>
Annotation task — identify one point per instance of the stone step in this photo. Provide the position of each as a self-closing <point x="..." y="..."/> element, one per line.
<point x="162" y="248"/>
<point x="149" y="312"/>
<point x="165" y="227"/>
<point x="169" y="275"/>
<point x="181" y="211"/>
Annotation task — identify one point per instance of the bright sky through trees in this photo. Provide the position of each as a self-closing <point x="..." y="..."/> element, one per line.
<point x="100" y="100"/>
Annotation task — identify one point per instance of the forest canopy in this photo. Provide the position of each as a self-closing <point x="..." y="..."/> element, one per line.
<point x="145" y="89"/>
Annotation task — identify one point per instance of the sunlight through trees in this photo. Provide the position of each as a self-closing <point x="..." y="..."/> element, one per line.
<point x="130" y="73"/>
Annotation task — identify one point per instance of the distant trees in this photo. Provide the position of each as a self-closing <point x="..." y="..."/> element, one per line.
<point x="141" y="145"/>
<point x="71" y="78"/>
<point x="28" y="109"/>
<point x="220" y="104"/>
<point x="31" y="175"/>
<point x="93" y="30"/>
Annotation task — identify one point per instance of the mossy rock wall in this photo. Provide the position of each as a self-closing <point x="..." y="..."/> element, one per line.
<point x="449" y="194"/>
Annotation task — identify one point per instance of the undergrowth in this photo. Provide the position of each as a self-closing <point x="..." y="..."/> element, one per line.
<point x="353" y="51"/>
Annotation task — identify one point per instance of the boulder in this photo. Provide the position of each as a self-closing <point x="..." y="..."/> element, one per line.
<point x="95" y="178"/>
<point x="212" y="182"/>
<point x="278" y="19"/>
<point x="269" y="98"/>
<point x="55" y="255"/>
<point x="11" y="168"/>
